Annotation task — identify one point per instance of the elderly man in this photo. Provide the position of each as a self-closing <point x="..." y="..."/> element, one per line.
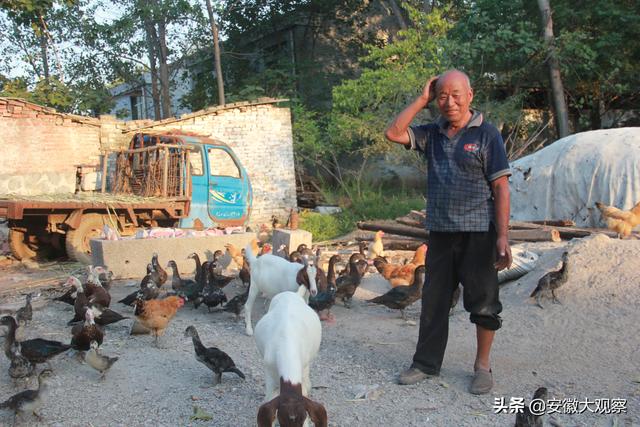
<point x="467" y="219"/>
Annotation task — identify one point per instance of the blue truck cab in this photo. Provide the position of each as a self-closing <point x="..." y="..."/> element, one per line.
<point x="220" y="189"/>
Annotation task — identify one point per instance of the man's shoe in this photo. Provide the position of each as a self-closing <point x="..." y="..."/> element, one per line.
<point x="482" y="382"/>
<point x="413" y="376"/>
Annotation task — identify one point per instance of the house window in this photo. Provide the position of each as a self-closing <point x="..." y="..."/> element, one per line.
<point x="134" y="107"/>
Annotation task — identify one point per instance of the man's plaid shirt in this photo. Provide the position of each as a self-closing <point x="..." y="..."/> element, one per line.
<point x="460" y="171"/>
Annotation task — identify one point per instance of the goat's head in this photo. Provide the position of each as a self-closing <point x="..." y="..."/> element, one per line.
<point x="291" y="408"/>
<point x="307" y="277"/>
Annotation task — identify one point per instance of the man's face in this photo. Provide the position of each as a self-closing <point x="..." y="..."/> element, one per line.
<point x="454" y="97"/>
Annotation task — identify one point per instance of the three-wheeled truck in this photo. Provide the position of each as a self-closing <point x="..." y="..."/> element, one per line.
<point x="168" y="179"/>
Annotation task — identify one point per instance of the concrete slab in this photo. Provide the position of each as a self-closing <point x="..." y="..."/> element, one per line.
<point x="129" y="258"/>
<point x="291" y="238"/>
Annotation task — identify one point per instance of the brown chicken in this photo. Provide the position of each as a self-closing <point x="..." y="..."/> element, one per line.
<point x="401" y="275"/>
<point x="622" y="222"/>
<point x="156" y="314"/>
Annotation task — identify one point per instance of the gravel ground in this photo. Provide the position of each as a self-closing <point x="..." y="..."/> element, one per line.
<point x="584" y="348"/>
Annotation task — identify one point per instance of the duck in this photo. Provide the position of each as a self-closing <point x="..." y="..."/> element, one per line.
<point x="98" y="361"/>
<point x="216" y="278"/>
<point x="105" y="316"/>
<point x="355" y="257"/>
<point x="401" y="297"/>
<point x="36" y="350"/>
<point x="325" y="299"/>
<point x="106" y="279"/>
<point x="19" y="366"/>
<point x="199" y="271"/>
<point x="186" y="288"/>
<point x="347" y="285"/>
<point x="236" y="304"/>
<point x="25" y="314"/>
<point x="79" y="304"/>
<point x="245" y="272"/>
<point x="211" y="295"/>
<point x="29" y="400"/>
<point x="162" y="274"/>
<point x="82" y="335"/>
<point x="69" y="297"/>
<point x="213" y="358"/>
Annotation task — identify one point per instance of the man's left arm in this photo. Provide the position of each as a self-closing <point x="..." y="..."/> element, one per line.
<point x="500" y="189"/>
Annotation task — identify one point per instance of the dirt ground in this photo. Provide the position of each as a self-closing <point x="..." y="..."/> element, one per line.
<point x="585" y="348"/>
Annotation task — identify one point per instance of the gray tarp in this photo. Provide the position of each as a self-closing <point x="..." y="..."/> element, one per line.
<point x="566" y="178"/>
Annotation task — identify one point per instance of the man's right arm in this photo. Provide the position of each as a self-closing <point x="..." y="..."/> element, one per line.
<point x="398" y="129"/>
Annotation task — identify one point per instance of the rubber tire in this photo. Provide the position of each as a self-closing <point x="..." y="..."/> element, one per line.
<point x="19" y="248"/>
<point x="77" y="241"/>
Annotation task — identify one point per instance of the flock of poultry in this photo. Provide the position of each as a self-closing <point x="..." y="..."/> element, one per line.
<point x="155" y="307"/>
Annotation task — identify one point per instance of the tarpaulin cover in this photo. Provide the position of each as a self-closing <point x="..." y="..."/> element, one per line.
<point x="566" y="178"/>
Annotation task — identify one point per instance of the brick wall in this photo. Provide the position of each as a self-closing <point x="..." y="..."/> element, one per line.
<point x="40" y="147"/>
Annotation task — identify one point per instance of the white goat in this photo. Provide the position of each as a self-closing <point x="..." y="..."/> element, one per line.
<point x="288" y="338"/>
<point x="271" y="275"/>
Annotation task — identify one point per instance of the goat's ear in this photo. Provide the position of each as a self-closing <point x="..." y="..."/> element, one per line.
<point x="267" y="412"/>
<point x="316" y="412"/>
<point x="302" y="278"/>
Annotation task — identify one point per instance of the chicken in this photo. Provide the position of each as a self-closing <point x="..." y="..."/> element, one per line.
<point x="213" y="358"/>
<point x="401" y="297"/>
<point x="28" y="400"/>
<point x="376" y="248"/>
<point x="526" y="418"/>
<point x="156" y="314"/>
<point x="552" y="281"/>
<point x="404" y="276"/>
<point x="98" y="361"/>
<point x="622" y="222"/>
<point x="401" y="275"/>
<point x="236" y="254"/>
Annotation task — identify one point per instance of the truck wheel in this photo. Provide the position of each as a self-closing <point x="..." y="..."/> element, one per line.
<point x="23" y="246"/>
<point x="77" y="242"/>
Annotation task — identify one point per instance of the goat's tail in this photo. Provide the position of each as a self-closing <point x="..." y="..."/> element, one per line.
<point x="235" y="371"/>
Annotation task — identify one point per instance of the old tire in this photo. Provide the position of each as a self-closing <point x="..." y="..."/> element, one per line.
<point x="23" y="245"/>
<point x="78" y="240"/>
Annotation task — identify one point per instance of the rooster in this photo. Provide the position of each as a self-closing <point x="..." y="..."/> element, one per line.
<point x="620" y="221"/>
<point x="401" y="275"/>
<point x="156" y="314"/>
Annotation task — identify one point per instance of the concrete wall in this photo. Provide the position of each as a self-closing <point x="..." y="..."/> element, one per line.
<point x="41" y="147"/>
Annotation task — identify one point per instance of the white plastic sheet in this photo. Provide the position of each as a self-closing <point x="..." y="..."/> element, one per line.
<point x="565" y="179"/>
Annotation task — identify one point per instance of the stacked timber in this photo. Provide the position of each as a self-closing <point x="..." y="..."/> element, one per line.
<point x="412" y="226"/>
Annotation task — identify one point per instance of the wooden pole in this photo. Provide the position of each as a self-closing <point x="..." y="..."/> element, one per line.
<point x="103" y="181"/>
<point x="165" y="171"/>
